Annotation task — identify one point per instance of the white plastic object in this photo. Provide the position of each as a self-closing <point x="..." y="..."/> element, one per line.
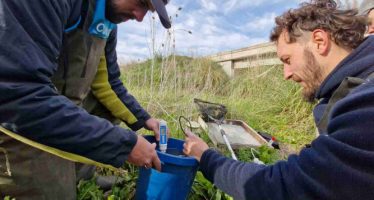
<point x="258" y="161"/>
<point x="163" y="136"/>
<point x="255" y="159"/>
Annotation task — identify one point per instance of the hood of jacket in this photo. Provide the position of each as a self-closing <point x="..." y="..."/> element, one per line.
<point x="360" y="64"/>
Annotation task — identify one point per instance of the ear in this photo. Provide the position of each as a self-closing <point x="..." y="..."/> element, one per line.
<point x="321" y="41"/>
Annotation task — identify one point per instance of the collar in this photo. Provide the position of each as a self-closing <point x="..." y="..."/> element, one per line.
<point x="360" y="63"/>
<point x="100" y="26"/>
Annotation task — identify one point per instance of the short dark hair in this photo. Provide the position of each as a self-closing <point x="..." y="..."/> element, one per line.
<point x="346" y="28"/>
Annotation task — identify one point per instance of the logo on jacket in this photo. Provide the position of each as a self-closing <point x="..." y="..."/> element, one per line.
<point x="100" y="27"/>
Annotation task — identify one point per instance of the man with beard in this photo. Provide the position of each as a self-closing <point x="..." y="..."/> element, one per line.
<point x="324" y="50"/>
<point x="56" y="57"/>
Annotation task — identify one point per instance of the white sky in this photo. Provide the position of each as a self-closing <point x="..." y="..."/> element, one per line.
<point x="216" y="25"/>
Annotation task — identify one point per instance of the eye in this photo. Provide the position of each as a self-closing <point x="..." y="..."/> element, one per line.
<point x="286" y="60"/>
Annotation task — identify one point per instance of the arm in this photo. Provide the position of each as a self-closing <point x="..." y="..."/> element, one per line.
<point x="339" y="166"/>
<point x="29" y="105"/>
<point x="110" y="91"/>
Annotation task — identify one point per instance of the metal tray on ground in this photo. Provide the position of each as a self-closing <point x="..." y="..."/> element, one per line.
<point x="238" y="133"/>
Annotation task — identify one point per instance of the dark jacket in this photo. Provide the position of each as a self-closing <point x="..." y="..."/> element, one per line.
<point x="110" y="91"/>
<point x="338" y="165"/>
<point x="31" y="35"/>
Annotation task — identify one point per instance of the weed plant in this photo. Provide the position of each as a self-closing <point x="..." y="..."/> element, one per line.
<point x="258" y="96"/>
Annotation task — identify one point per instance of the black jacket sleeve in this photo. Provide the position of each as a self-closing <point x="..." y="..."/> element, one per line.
<point x="31" y="38"/>
<point x="338" y="166"/>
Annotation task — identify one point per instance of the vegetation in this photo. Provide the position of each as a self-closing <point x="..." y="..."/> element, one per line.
<point x="258" y="96"/>
<point x="166" y="87"/>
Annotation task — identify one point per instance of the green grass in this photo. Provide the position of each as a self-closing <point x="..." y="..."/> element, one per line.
<point x="259" y="96"/>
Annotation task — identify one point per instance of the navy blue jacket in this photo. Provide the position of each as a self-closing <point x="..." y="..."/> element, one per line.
<point x="31" y="35"/>
<point x="339" y="165"/>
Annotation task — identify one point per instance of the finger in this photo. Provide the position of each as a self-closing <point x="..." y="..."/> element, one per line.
<point x="187" y="150"/>
<point x="157" y="134"/>
<point x="154" y="145"/>
<point x="188" y="133"/>
<point x="185" y="146"/>
<point x="146" y="166"/>
<point x="157" y="163"/>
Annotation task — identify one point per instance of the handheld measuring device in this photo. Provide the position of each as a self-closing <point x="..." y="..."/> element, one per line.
<point x="163" y="136"/>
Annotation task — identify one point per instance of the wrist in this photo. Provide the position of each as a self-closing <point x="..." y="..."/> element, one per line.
<point x="202" y="153"/>
<point x="151" y="124"/>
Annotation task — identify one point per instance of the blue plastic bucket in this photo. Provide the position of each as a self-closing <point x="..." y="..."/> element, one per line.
<point x="176" y="176"/>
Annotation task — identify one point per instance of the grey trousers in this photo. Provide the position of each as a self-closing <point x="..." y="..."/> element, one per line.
<point x="35" y="174"/>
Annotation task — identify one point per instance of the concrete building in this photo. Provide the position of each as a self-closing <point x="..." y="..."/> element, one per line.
<point x="258" y="55"/>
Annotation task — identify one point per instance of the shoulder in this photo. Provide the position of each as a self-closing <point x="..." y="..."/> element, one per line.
<point x="354" y="112"/>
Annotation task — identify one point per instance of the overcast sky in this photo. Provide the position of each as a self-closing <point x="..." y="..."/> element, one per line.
<point x="216" y="25"/>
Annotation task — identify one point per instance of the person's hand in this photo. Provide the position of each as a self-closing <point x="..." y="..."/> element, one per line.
<point x="194" y="146"/>
<point x="153" y="124"/>
<point x="144" y="155"/>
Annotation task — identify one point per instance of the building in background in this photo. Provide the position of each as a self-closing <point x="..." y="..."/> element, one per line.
<point x="258" y="55"/>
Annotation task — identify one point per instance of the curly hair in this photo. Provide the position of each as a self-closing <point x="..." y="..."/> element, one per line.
<point x="345" y="27"/>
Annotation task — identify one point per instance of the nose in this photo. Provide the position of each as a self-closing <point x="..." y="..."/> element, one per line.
<point x="287" y="73"/>
<point x="139" y="14"/>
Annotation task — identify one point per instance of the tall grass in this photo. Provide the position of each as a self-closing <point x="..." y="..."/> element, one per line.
<point x="259" y="96"/>
<point x="166" y="87"/>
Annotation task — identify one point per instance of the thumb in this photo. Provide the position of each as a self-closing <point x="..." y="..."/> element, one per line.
<point x="157" y="135"/>
<point x="188" y="133"/>
<point x="154" y="145"/>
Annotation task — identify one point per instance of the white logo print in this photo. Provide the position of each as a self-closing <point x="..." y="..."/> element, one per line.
<point x="101" y="28"/>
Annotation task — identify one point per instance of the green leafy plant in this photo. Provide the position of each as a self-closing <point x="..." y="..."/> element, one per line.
<point x="126" y="188"/>
<point x="88" y="190"/>
<point x="202" y="189"/>
<point x="121" y="190"/>
<point x="264" y="153"/>
<point x="258" y="96"/>
<point x="268" y="155"/>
